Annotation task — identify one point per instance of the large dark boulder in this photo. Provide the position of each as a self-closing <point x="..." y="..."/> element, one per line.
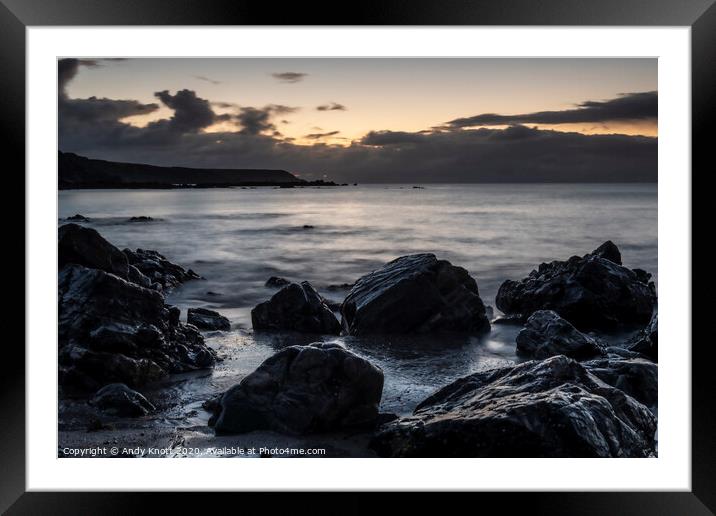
<point x="207" y="320"/>
<point x="635" y="376"/>
<point x="112" y="330"/>
<point x="646" y="341"/>
<point x="158" y="269"/>
<point x="415" y="294"/>
<point x="298" y="308"/>
<point x="592" y="292"/>
<point x="550" y="408"/>
<point x="85" y="246"/>
<point x="546" y="334"/>
<point x="119" y="400"/>
<point x="304" y="389"/>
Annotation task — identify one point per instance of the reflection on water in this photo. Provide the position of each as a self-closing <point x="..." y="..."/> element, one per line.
<point x="238" y="238"/>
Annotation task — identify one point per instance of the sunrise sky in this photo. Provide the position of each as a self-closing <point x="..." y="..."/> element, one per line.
<point x="264" y="112"/>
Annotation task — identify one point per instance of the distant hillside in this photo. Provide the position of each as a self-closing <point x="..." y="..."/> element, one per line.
<point x="80" y="172"/>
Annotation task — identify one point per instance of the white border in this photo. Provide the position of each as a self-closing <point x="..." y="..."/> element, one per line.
<point x="670" y="471"/>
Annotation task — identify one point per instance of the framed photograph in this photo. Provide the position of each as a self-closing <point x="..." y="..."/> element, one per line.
<point x="426" y="248"/>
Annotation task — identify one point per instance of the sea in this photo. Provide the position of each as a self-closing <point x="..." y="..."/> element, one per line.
<point x="236" y="238"/>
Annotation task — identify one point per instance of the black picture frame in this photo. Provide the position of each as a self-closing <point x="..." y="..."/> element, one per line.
<point x="700" y="15"/>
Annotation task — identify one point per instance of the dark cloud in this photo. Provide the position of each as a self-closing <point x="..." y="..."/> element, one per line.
<point x="318" y="136"/>
<point x="381" y="138"/>
<point x="260" y="120"/>
<point x="626" y="107"/>
<point x="67" y="70"/>
<point x="191" y="113"/>
<point x="289" y="77"/>
<point x="206" y="79"/>
<point x="255" y="121"/>
<point x="333" y="106"/>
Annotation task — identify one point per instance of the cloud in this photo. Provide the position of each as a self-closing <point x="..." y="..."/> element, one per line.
<point x="333" y="106"/>
<point x="206" y="79"/>
<point x="625" y="107"/>
<point x="259" y="120"/>
<point x="318" y="136"/>
<point x="94" y="127"/>
<point x="191" y="113"/>
<point x="382" y="138"/>
<point x="289" y="77"/>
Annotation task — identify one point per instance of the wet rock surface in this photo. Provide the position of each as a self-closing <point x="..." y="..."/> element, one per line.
<point x="208" y="320"/>
<point x="301" y="390"/>
<point x="277" y="282"/>
<point x="119" y="400"/>
<point x="635" y="376"/>
<point x="646" y="341"/>
<point x="111" y="330"/>
<point x="591" y="292"/>
<point x="158" y="269"/>
<point x="85" y="246"/>
<point x="296" y="307"/>
<point x="550" y="408"/>
<point x="415" y="293"/>
<point x="111" y="326"/>
<point x="546" y="334"/>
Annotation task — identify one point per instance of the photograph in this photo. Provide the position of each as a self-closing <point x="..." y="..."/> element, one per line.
<point x="357" y="257"/>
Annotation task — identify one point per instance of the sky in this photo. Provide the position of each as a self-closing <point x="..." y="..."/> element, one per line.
<point x="369" y="119"/>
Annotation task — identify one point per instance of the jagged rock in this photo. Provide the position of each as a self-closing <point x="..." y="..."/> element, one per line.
<point x="609" y="251"/>
<point x="141" y="218"/>
<point x="646" y="341"/>
<point x="304" y="389"/>
<point x="112" y="330"/>
<point x="550" y="408"/>
<point x="158" y="269"/>
<point x="78" y="218"/>
<point x="277" y="282"/>
<point x="298" y="308"/>
<point x="546" y="334"/>
<point x="119" y="400"/>
<point x="635" y="376"/>
<point x="591" y="292"/>
<point x="208" y="320"/>
<point x="416" y="293"/>
<point x="85" y="246"/>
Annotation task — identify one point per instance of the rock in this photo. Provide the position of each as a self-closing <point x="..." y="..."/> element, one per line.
<point x="415" y="294"/>
<point x="609" y="251"/>
<point x="119" y="400"/>
<point x="635" y="376"/>
<point x="85" y="246"/>
<point x="550" y="408"/>
<point x="304" y="389"/>
<point x="135" y="276"/>
<point x="646" y="341"/>
<point x="489" y="312"/>
<point x="298" y="308"/>
<point x="308" y="226"/>
<point x="141" y="218"/>
<point x="277" y="282"/>
<point x="591" y="292"/>
<point x="112" y="330"/>
<point x="78" y="218"/>
<point x="158" y="269"/>
<point x="208" y="320"/>
<point x="546" y="334"/>
<point x="334" y="305"/>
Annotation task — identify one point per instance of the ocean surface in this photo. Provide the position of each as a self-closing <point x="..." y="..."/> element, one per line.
<point x="237" y="238"/>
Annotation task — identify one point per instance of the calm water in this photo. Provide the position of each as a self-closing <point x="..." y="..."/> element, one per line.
<point x="237" y="238"/>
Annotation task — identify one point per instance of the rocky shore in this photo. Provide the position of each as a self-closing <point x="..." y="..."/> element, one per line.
<point x="573" y="392"/>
